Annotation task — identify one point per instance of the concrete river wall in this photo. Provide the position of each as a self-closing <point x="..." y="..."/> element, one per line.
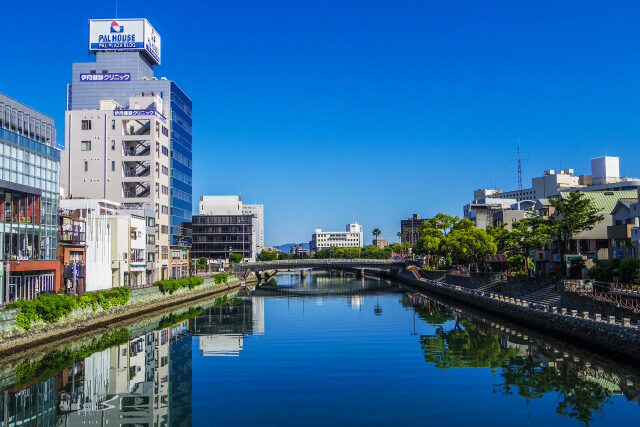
<point x="613" y="336"/>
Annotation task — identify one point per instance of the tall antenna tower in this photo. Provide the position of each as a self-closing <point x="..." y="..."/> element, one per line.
<point x="519" y="168"/>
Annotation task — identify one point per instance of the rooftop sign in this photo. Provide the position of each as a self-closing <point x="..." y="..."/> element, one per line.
<point x="124" y="35"/>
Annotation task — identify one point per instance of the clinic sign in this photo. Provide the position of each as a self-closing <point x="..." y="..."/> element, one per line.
<point x="134" y="113"/>
<point x="105" y="77"/>
<point x="124" y="35"/>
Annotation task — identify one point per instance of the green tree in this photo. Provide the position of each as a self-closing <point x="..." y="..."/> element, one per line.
<point x="432" y="236"/>
<point x="376" y="232"/>
<point x="399" y="248"/>
<point x="573" y="214"/>
<point x="235" y="257"/>
<point x="466" y="244"/>
<point x="284" y="255"/>
<point x="528" y="234"/>
<point x="267" y="256"/>
<point x="500" y="234"/>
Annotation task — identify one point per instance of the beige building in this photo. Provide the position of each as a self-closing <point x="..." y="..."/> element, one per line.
<point x="122" y="154"/>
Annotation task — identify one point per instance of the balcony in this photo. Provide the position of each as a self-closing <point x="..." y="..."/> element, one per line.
<point x="72" y="237"/>
<point x="136" y="149"/>
<point x="136" y="169"/>
<point x="619" y="232"/>
<point x="136" y="190"/>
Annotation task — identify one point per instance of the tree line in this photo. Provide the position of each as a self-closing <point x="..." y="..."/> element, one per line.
<point x="445" y="240"/>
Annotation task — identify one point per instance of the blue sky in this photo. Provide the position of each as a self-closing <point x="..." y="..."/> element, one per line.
<point x="329" y="112"/>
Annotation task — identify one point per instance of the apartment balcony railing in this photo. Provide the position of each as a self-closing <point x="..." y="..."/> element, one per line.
<point x="75" y="237"/>
<point x="137" y="172"/>
<point x="137" y="151"/>
<point x="132" y="194"/>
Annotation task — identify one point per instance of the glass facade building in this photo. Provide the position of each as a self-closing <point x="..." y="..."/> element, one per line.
<point x="215" y="236"/>
<point x="83" y="93"/>
<point x="29" y="199"/>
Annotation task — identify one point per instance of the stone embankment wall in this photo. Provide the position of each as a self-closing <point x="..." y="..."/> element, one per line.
<point x="517" y="286"/>
<point x="474" y="280"/>
<point x="144" y="299"/>
<point x="616" y="337"/>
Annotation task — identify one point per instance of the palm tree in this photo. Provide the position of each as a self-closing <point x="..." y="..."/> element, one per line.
<point x="376" y="232"/>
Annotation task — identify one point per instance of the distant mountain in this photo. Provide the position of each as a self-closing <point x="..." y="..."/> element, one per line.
<point x="287" y="246"/>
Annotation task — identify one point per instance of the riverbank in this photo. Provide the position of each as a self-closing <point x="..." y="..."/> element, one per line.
<point x="617" y="338"/>
<point x="14" y="340"/>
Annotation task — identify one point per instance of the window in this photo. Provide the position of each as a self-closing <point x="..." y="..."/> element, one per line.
<point x="164" y="229"/>
<point x="113" y="145"/>
<point x="165" y="189"/>
<point x="105" y="71"/>
<point x="113" y="124"/>
<point x="85" y="145"/>
<point x="165" y="209"/>
<point x="86" y="125"/>
<point x="165" y="252"/>
<point x="165" y="150"/>
<point x="165" y="170"/>
<point x="113" y="166"/>
<point x="151" y="221"/>
<point x="151" y="239"/>
<point x="86" y="166"/>
<point x="151" y="256"/>
<point x="165" y="131"/>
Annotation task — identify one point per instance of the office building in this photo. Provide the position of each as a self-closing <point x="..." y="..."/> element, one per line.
<point x="118" y="74"/>
<point x="257" y="211"/>
<point x="29" y="199"/>
<point x="410" y="229"/>
<point x="300" y="250"/>
<point x="114" y="155"/>
<point x="217" y="236"/>
<point x="350" y="238"/>
<point x="489" y="206"/>
<point x="233" y="207"/>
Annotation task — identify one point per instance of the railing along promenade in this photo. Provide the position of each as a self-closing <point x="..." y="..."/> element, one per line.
<point x="627" y="296"/>
<point x="521" y="303"/>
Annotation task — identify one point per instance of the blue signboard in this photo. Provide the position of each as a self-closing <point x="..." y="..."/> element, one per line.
<point x="105" y="77"/>
<point x="139" y="113"/>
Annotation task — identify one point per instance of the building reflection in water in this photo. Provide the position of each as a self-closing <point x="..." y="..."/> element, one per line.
<point x="146" y="381"/>
<point x="221" y="330"/>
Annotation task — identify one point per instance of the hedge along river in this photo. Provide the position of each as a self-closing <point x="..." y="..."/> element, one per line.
<point x="371" y="358"/>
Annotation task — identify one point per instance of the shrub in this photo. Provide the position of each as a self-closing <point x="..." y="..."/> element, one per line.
<point x="235" y="257"/>
<point x="629" y="270"/>
<point x="172" y="285"/>
<point x="220" y="278"/>
<point x="52" y="307"/>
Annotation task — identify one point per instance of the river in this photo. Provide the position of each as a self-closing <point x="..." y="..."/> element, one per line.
<point x="328" y="349"/>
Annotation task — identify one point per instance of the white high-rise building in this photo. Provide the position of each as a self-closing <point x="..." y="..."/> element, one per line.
<point x="257" y="211"/>
<point x="122" y="155"/>
<point x="350" y="238"/>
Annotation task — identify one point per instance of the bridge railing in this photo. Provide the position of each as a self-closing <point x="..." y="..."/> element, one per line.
<point x="316" y="262"/>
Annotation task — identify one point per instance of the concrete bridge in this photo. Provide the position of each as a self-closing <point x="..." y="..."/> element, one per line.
<point x="243" y="269"/>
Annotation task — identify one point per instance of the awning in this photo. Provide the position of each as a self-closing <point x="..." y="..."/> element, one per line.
<point x="496" y="258"/>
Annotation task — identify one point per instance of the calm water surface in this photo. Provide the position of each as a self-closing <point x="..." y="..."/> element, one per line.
<point x="372" y="353"/>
